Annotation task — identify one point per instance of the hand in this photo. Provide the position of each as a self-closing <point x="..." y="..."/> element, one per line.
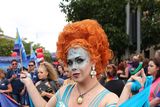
<point x="43" y="93"/>
<point x="10" y="67"/>
<point x="139" y="76"/>
<point x="119" y="72"/>
<point x="14" y="76"/>
<point x="25" y="77"/>
<point x="1" y="91"/>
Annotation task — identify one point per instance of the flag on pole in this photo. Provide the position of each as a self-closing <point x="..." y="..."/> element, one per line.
<point x="33" y="56"/>
<point x="18" y="45"/>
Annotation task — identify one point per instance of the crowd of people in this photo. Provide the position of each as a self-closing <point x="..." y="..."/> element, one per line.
<point x="86" y="78"/>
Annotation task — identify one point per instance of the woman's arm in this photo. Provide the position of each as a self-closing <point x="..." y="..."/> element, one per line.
<point x="8" y="90"/>
<point x="155" y="102"/>
<point x="125" y="94"/>
<point x="38" y="101"/>
<point x="140" y="77"/>
<point x="34" y="94"/>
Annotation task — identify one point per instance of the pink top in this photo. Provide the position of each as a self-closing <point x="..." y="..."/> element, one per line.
<point x="155" y="87"/>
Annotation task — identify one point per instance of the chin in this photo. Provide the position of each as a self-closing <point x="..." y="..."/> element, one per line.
<point x="78" y="80"/>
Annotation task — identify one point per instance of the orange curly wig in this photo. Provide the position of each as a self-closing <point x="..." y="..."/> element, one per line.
<point x="89" y="35"/>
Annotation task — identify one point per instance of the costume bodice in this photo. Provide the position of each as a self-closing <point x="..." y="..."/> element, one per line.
<point x="62" y="101"/>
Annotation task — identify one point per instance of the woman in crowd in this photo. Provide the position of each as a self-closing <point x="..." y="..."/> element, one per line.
<point x="5" y="86"/>
<point x="60" y="70"/>
<point x="154" y="70"/>
<point x="69" y="79"/>
<point x="47" y="85"/>
<point x="112" y="82"/>
<point x="84" y="48"/>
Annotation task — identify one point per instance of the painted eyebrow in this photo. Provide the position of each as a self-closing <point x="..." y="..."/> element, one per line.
<point x="75" y="58"/>
<point x="79" y="57"/>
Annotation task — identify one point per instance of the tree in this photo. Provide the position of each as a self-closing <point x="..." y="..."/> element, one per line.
<point x="150" y="23"/>
<point x="109" y="13"/>
<point x="6" y="47"/>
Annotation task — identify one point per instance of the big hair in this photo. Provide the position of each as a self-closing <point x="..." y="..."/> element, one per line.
<point x="89" y="35"/>
<point x="52" y="73"/>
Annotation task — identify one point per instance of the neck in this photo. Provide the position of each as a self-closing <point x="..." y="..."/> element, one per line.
<point x="32" y="71"/>
<point x="86" y="85"/>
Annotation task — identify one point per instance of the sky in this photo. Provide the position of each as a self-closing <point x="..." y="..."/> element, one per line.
<point x="39" y="21"/>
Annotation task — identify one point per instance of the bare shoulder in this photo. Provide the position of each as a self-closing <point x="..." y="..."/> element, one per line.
<point x="110" y="98"/>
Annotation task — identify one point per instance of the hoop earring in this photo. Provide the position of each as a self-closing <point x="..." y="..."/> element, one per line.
<point x="93" y="72"/>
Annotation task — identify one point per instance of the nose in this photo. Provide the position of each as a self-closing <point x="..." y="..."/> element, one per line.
<point x="74" y="67"/>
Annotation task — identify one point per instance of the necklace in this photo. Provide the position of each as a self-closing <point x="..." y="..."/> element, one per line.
<point x="80" y="97"/>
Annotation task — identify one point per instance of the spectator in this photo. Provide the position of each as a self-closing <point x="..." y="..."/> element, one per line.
<point x="60" y="70"/>
<point x="69" y="79"/>
<point x="13" y="75"/>
<point x="48" y="79"/>
<point x="112" y="83"/>
<point x="154" y="70"/>
<point x="5" y="86"/>
<point x="33" y="71"/>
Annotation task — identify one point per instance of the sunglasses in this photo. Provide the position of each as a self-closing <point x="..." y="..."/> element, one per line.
<point x="30" y="65"/>
<point x="14" y="64"/>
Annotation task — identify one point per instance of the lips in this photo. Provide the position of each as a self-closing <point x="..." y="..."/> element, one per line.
<point x="76" y="75"/>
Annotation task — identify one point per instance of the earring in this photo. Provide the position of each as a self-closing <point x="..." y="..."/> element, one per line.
<point x="93" y="72"/>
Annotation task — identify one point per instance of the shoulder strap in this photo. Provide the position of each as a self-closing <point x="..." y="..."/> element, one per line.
<point x="111" y="105"/>
<point x="96" y="101"/>
<point x="67" y="93"/>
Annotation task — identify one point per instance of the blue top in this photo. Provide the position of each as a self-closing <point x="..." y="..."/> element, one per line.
<point x="142" y="98"/>
<point x="17" y="85"/>
<point x="34" y="76"/>
<point x="4" y="84"/>
<point x="63" y="101"/>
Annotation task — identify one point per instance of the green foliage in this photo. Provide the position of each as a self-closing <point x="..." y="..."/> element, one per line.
<point x="47" y="56"/>
<point x="109" y="13"/>
<point x="6" y="47"/>
<point x="27" y="47"/>
<point x="150" y="24"/>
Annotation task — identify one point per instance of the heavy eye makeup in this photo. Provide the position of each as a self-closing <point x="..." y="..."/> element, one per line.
<point x="78" y="60"/>
<point x="69" y="62"/>
<point x="151" y="65"/>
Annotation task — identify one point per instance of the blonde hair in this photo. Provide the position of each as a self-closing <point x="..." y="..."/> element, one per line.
<point x="2" y="71"/>
<point x="52" y="73"/>
<point x="89" y="35"/>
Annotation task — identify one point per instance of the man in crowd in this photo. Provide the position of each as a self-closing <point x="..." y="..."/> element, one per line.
<point x="13" y="75"/>
<point x="33" y="71"/>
